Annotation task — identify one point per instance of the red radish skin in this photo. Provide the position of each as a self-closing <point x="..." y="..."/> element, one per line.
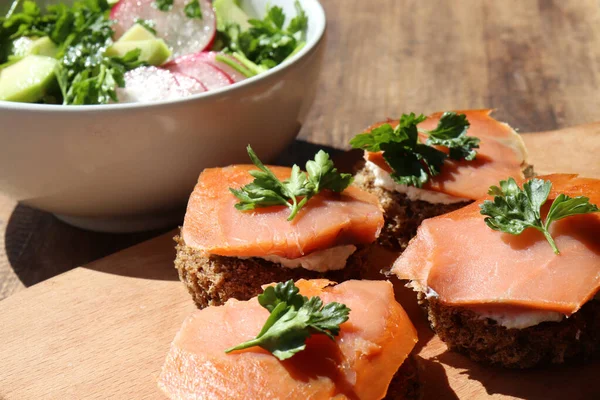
<point x="189" y="83"/>
<point x="184" y="35"/>
<point x="194" y="65"/>
<point x="210" y="57"/>
<point x="211" y="41"/>
<point x="229" y="78"/>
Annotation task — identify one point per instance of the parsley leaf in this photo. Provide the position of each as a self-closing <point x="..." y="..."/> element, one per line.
<point x="514" y="209"/>
<point x="411" y="161"/>
<point x="323" y="175"/>
<point x="94" y="83"/>
<point x="300" y="22"/>
<point x="267" y="43"/>
<point x="451" y="132"/>
<point x="293" y="319"/>
<point x="163" y="5"/>
<point x="275" y="18"/>
<point x="82" y="33"/>
<point x="192" y="9"/>
<point x="27" y="22"/>
<point x="564" y="206"/>
<point x="267" y="190"/>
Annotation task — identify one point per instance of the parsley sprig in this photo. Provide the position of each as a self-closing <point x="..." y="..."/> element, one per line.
<point x="293" y="319"/>
<point x="82" y="33"/>
<point x="514" y="209"/>
<point x="267" y="43"/>
<point x="192" y="9"/>
<point x="163" y="5"/>
<point x="451" y="132"/>
<point x="411" y="161"/>
<point x="267" y="190"/>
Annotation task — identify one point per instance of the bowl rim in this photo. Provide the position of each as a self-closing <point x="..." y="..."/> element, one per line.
<point x="285" y="65"/>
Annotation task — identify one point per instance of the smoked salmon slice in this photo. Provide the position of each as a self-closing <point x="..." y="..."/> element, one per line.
<point x="359" y="364"/>
<point x="465" y="263"/>
<point x="214" y="226"/>
<point x="501" y="154"/>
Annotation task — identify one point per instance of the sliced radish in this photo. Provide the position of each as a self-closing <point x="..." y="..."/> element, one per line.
<point x="210" y="57"/>
<point x="147" y="84"/>
<point x="188" y="83"/>
<point x="194" y="65"/>
<point x="184" y="35"/>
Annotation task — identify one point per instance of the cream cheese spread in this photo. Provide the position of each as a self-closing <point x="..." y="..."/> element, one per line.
<point x="522" y="319"/>
<point x="518" y="319"/>
<point x="383" y="180"/>
<point x="320" y="261"/>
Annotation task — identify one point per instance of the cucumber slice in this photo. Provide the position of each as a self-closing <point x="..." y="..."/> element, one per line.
<point x="154" y="51"/>
<point x="136" y="32"/>
<point x="25" y="46"/>
<point x="28" y="80"/>
<point x="228" y="11"/>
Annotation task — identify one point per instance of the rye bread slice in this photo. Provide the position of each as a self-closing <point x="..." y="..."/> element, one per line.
<point x="403" y="216"/>
<point x="213" y="279"/>
<point x="485" y="341"/>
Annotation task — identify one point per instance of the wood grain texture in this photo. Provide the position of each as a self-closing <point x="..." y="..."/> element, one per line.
<point x="103" y="330"/>
<point x="537" y="62"/>
<point x="550" y="152"/>
<point x="37" y="246"/>
<point x="98" y="332"/>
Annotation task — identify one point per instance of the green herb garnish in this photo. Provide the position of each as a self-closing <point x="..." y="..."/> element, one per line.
<point x="411" y="161"/>
<point x="514" y="209"/>
<point x="82" y="34"/>
<point x="299" y="23"/>
<point x="266" y="43"/>
<point x="85" y="79"/>
<point x="267" y="190"/>
<point x="148" y="24"/>
<point x="294" y="318"/>
<point x="192" y="9"/>
<point x="163" y="5"/>
<point x="451" y="132"/>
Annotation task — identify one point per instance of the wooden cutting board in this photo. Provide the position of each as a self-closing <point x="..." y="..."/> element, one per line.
<point x="102" y="331"/>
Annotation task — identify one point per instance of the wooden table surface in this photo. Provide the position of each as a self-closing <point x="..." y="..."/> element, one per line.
<point x="537" y="62"/>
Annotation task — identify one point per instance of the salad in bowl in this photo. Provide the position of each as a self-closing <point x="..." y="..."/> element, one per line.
<point x="94" y="52"/>
<point x="114" y="137"/>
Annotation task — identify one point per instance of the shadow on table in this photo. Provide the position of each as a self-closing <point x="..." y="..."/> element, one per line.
<point x="434" y="380"/>
<point x="300" y="151"/>
<point x="39" y="246"/>
<point x="432" y="375"/>
<point x="572" y="380"/>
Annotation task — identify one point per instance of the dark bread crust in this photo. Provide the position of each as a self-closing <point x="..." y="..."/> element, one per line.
<point x="212" y="280"/>
<point x="483" y="340"/>
<point x="402" y="216"/>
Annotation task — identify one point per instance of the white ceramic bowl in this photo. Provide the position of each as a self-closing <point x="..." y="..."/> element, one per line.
<point x="131" y="167"/>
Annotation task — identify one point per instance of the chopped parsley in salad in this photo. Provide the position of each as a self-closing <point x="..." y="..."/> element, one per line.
<point x="99" y="52"/>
